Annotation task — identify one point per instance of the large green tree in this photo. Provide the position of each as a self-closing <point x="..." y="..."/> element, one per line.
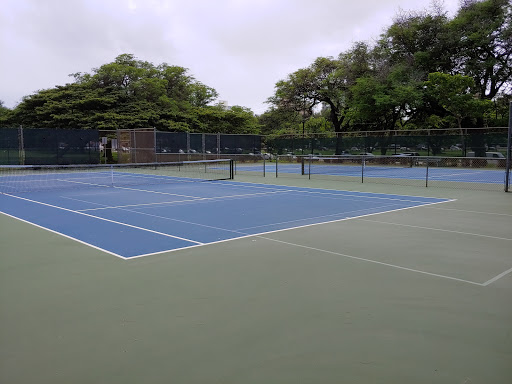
<point x="426" y="70"/>
<point x="454" y="94"/>
<point x="327" y="81"/>
<point x="131" y="93"/>
<point x="4" y="113"/>
<point x="482" y="49"/>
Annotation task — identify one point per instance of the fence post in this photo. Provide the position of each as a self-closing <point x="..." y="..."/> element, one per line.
<point x="21" y="145"/>
<point x="154" y="139"/>
<point x="203" y="145"/>
<point x="218" y="145"/>
<point x="134" y="145"/>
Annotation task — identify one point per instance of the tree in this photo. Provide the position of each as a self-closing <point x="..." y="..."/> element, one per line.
<point x="327" y="81"/>
<point x="483" y="50"/>
<point x="455" y="93"/>
<point x="131" y="93"/>
<point x="497" y="116"/>
<point x="420" y="41"/>
<point x="279" y="121"/>
<point x="4" y="113"/>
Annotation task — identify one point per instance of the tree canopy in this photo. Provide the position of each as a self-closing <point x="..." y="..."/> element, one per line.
<point x="425" y="71"/>
<point x="131" y="93"/>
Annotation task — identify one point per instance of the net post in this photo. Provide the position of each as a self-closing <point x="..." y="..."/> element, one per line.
<point x="231" y="169"/>
<point x="277" y="161"/>
<point x="264" y="165"/>
<point x="363" y="164"/>
<point x="309" y="169"/>
<point x="302" y="171"/>
<point x="426" y="174"/>
<point x="509" y="149"/>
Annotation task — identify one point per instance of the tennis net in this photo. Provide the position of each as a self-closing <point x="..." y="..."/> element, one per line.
<point x="354" y="165"/>
<point x="27" y="178"/>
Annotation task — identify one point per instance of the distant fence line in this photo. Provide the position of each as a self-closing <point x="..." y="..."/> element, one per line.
<point x="68" y="146"/>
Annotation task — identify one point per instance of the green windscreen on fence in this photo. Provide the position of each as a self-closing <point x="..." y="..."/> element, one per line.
<point x="9" y="146"/>
<point x="35" y="146"/>
<point x="183" y="142"/>
<point x="60" y="146"/>
<point x="471" y="143"/>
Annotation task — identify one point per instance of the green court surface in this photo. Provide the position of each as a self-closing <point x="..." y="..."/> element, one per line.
<point x="420" y="295"/>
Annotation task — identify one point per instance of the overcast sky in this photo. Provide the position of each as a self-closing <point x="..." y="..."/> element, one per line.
<point x="239" y="47"/>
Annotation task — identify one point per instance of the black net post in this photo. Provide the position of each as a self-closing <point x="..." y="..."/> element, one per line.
<point x="363" y="164"/>
<point x="309" y="168"/>
<point x="509" y="149"/>
<point x="426" y="174"/>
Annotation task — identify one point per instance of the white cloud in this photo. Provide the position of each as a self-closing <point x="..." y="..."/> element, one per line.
<point x="239" y="47"/>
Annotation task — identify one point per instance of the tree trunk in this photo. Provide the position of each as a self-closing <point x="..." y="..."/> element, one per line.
<point x="337" y="122"/>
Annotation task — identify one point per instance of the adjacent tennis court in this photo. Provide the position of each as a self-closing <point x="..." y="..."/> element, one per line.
<point x="249" y="280"/>
<point x="370" y="170"/>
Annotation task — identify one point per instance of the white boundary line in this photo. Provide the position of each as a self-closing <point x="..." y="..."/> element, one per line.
<point x="478" y="212"/>
<point x="497" y="277"/>
<point x="64" y="235"/>
<point x="373" y="195"/>
<point x="285" y="229"/>
<point x="167" y="203"/>
<point x="437" y="229"/>
<point x="239" y="231"/>
<point x="324" y="217"/>
<point x="103" y="219"/>
<point x="321" y="191"/>
<point x="373" y="261"/>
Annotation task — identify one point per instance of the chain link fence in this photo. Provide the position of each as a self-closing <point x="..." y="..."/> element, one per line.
<point x="38" y="146"/>
<point x="468" y="158"/>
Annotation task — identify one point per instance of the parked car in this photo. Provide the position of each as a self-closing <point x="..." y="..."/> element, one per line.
<point x="492" y="157"/>
<point x="489" y="155"/>
<point x="406" y="154"/>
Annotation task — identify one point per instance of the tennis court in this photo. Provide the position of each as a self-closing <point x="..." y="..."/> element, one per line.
<point x="405" y="172"/>
<point x="250" y="280"/>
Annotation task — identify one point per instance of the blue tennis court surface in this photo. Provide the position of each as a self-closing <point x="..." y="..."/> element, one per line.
<point x="137" y="221"/>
